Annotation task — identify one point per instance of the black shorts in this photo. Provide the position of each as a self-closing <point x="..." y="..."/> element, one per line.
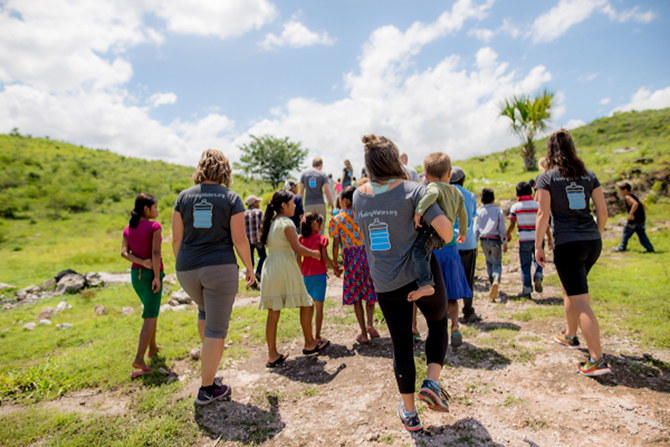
<point x="574" y="261"/>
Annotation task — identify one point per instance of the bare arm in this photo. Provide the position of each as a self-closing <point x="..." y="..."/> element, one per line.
<point x="297" y="247"/>
<point x="510" y="229"/>
<point x="241" y="244"/>
<point x="336" y="248"/>
<point x="444" y="227"/>
<point x="156" y="241"/>
<point x="177" y="232"/>
<point x="634" y="204"/>
<point x="127" y="254"/>
<point x="541" y="223"/>
<point x="598" y="197"/>
<point x="329" y="196"/>
<point x="302" y="190"/>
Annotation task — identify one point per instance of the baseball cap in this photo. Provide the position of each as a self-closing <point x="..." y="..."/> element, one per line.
<point x="251" y="200"/>
<point x="457" y="174"/>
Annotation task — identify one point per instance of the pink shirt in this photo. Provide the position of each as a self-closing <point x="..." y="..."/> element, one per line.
<point x="140" y="239"/>
<point x="311" y="266"/>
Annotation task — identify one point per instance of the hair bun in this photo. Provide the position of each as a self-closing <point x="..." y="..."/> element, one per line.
<point x="370" y="140"/>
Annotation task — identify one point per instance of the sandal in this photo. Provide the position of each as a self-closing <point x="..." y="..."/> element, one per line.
<point x="320" y="346"/>
<point x="140" y="372"/>
<point x="277" y="362"/>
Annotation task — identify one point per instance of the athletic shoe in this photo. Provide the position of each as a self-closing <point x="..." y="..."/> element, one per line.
<point x="619" y="249"/>
<point x="472" y="318"/>
<point x="538" y="285"/>
<point x="493" y="293"/>
<point x="220" y="392"/>
<point x="591" y="368"/>
<point x="525" y="293"/>
<point x="570" y="342"/>
<point x="456" y="339"/>
<point x="411" y="420"/>
<point x="434" y="395"/>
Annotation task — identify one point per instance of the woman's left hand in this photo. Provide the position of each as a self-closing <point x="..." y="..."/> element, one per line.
<point x="250" y="276"/>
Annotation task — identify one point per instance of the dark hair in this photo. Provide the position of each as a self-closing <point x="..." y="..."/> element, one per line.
<point x="523" y="189"/>
<point x="382" y="159"/>
<point x="488" y="196"/>
<point x="624" y="185"/>
<point x="348" y="193"/>
<point x="278" y="198"/>
<point x="143" y="199"/>
<point x="562" y="155"/>
<point x="306" y="223"/>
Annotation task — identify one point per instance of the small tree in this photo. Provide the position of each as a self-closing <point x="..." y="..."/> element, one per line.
<point x="529" y="117"/>
<point x="271" y="158"/>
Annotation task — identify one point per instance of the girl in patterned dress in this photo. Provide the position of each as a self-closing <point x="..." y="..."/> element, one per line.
<point x="357" y="282"/>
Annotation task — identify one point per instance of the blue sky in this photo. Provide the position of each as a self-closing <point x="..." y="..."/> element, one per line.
<point x="165" y="79"/>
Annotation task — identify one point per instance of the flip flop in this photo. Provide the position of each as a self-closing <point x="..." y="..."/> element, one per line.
<point x="140" y="372"/>
<point x="320" y="346"/>
<point x="277" y="362"/>
<point x="372" y="332"/>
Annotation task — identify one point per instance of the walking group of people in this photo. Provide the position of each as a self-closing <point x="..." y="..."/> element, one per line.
<point x="404" y="245"/>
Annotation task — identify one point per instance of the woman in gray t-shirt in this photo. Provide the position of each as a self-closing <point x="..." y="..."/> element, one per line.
<point x="566" y="191"/>
<point x="384" y="210"/>
<point x="207" y="223"/>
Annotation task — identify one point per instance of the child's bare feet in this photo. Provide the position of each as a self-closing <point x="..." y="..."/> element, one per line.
<point x="141" y="365"/>
<point x="154" y="351"/>
<point x="373" y="332"/>
<point x="362" y="338"/>
<point x="421" y="292"/>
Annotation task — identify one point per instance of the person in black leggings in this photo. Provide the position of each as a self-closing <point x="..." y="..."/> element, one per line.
<point x="384" y="209"/>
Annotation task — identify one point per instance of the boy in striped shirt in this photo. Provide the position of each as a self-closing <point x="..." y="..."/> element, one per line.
<point x="522" y="214"/>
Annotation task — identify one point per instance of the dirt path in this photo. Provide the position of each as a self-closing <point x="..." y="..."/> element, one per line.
<point x="511" y="386"/>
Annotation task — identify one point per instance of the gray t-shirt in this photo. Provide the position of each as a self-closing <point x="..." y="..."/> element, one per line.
<point x="387" y="223"/>
<point x="570" y="209"/>
<point x="411" y="172"/>
<point x="206" y="211"/>
<point x="313" y="179"/>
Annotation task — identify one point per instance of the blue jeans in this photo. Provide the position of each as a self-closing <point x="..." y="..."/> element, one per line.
<point x="261" y="258"/>
<point x="492" y="249"/>
<point x="632" y="228"/>
<point x="527" y="257"/>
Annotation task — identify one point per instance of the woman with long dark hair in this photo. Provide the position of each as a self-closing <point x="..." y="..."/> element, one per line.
<point x="565" y="191"/>
<point x="384" y="209"/>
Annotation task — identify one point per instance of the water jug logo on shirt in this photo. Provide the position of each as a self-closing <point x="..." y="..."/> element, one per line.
<point x="202" y="214"/>
<point x="576" y="196"/>
<point x="379" y="236"/>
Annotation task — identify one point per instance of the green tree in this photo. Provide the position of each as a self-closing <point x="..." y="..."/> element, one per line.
<point x="271" y="158"/>
<point x="528" y="117"/>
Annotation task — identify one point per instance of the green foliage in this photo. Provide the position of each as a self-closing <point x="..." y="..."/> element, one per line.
<point x="271" y="158"/>
<point x="529" y="117"/>
<point x="503" y="162"/>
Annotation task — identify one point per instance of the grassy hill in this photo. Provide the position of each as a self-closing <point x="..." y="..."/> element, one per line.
<point x="64" y="206"/>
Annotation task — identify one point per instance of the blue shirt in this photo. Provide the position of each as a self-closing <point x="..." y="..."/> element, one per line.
<point x="470" y="202"/>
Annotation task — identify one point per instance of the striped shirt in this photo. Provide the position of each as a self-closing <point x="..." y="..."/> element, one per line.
<point x="253" y="223"/>
<point x="524" y="212"/>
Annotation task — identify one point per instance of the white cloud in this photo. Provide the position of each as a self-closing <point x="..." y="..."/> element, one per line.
<point x="555" y="22"/>
<point x="645" y="99"/>
<point x="573" y="124"/>
<point x="486" y="35"/>
<point x="295" y="34"/>
<point x="223" y="19"/>
<point x="483" y="34"/>
<point x="606" y="100"/>
<point x="160" y="99"/>
<point x="588" y="77"/>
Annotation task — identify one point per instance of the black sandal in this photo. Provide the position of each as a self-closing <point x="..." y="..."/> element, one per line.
<point x="320" y="346"/>
<point x="277" y="362"/>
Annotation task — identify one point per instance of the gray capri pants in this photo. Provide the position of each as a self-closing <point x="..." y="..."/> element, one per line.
<point x="213" y="289"/>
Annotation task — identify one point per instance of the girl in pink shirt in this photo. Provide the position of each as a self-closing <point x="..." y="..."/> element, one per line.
<point x="314" y="271"/>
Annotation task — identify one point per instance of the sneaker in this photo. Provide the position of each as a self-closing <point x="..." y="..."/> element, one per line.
<point x="525" y="293"/>
<point x="220" y="392"/>
<point x="591" y="368"/>
<point x="538" y="285"/>
<point x="570" y="342"/>
<point x="493" y="293"/>
<point x="456" y="339"/>
<point x="411" y="421"/>
<point x="434" y="395"/>
<point x="619" y="249"/>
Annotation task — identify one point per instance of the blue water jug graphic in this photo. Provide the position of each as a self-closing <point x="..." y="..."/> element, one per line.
<point x="576" y="196"/>
<point x="379" y="236"/>
<point x="202" y="214"/>
<point x="312" y="182"/>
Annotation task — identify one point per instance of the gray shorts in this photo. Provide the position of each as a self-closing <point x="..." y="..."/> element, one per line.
<point x="213" y="289"/>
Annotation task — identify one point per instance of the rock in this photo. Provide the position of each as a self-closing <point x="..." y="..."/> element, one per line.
<point x="115" y="278"/>
<point x="173" y="302"/>
<point x="181" y="297"/>
<point x="49" y="284"/>
<point x="101" y="310"/>
<point x="44" y="322"/>
<point x="195" y="354"/>
<point x="93" y="279"/>
<point x="63" y="273"/>
<point x="127" y="311"/>
<point x="28" y="293"/>
<point x="63" y="325"/>
<point x="626" y="405"/>
<point x="46" y="313"/>
<point x="166" y="307"/>
<point x="63" y="305"/>
<point x="29" y="326"/>
<point x="624" y="150"/>
<point x="5" y="286"/>
<point x="170" y="279"/>
<point x="71" y="283"/>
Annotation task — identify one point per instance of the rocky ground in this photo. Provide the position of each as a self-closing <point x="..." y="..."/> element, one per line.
<point x="510" y="386"/>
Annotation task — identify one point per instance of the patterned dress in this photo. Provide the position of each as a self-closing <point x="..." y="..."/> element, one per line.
<point x="357" y="281"/>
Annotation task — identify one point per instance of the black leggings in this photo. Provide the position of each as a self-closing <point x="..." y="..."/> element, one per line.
<point x="398" y="314"/>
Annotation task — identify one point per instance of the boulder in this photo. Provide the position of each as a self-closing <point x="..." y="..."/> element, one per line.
<point x="63" y="305"/>
<point x="101" y="310"/>
<point x="170" y="279"/>
<point x="93" y="279"/>
<point x="115" y="278"/>
<point x="47" y="312"/>
<point x="28" y="293"/>
<point x="29" y="326"/>
<point x="63" y="273"/>
<point x="71" y="283"/>
<point x="173" y="302"/>
<point x="5" y="286"/>
<point x="195" y="354"/>
<point x="49" y="284"/>
<point x="44" y="322"/>
<point x="127" y="311"/>
<point x="181" y="297"/>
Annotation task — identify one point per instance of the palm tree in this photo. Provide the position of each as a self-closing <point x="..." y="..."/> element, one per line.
<point x="529" y="117"/>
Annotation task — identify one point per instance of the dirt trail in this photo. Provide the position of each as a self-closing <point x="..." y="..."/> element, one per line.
<point x="511" y="386"/>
